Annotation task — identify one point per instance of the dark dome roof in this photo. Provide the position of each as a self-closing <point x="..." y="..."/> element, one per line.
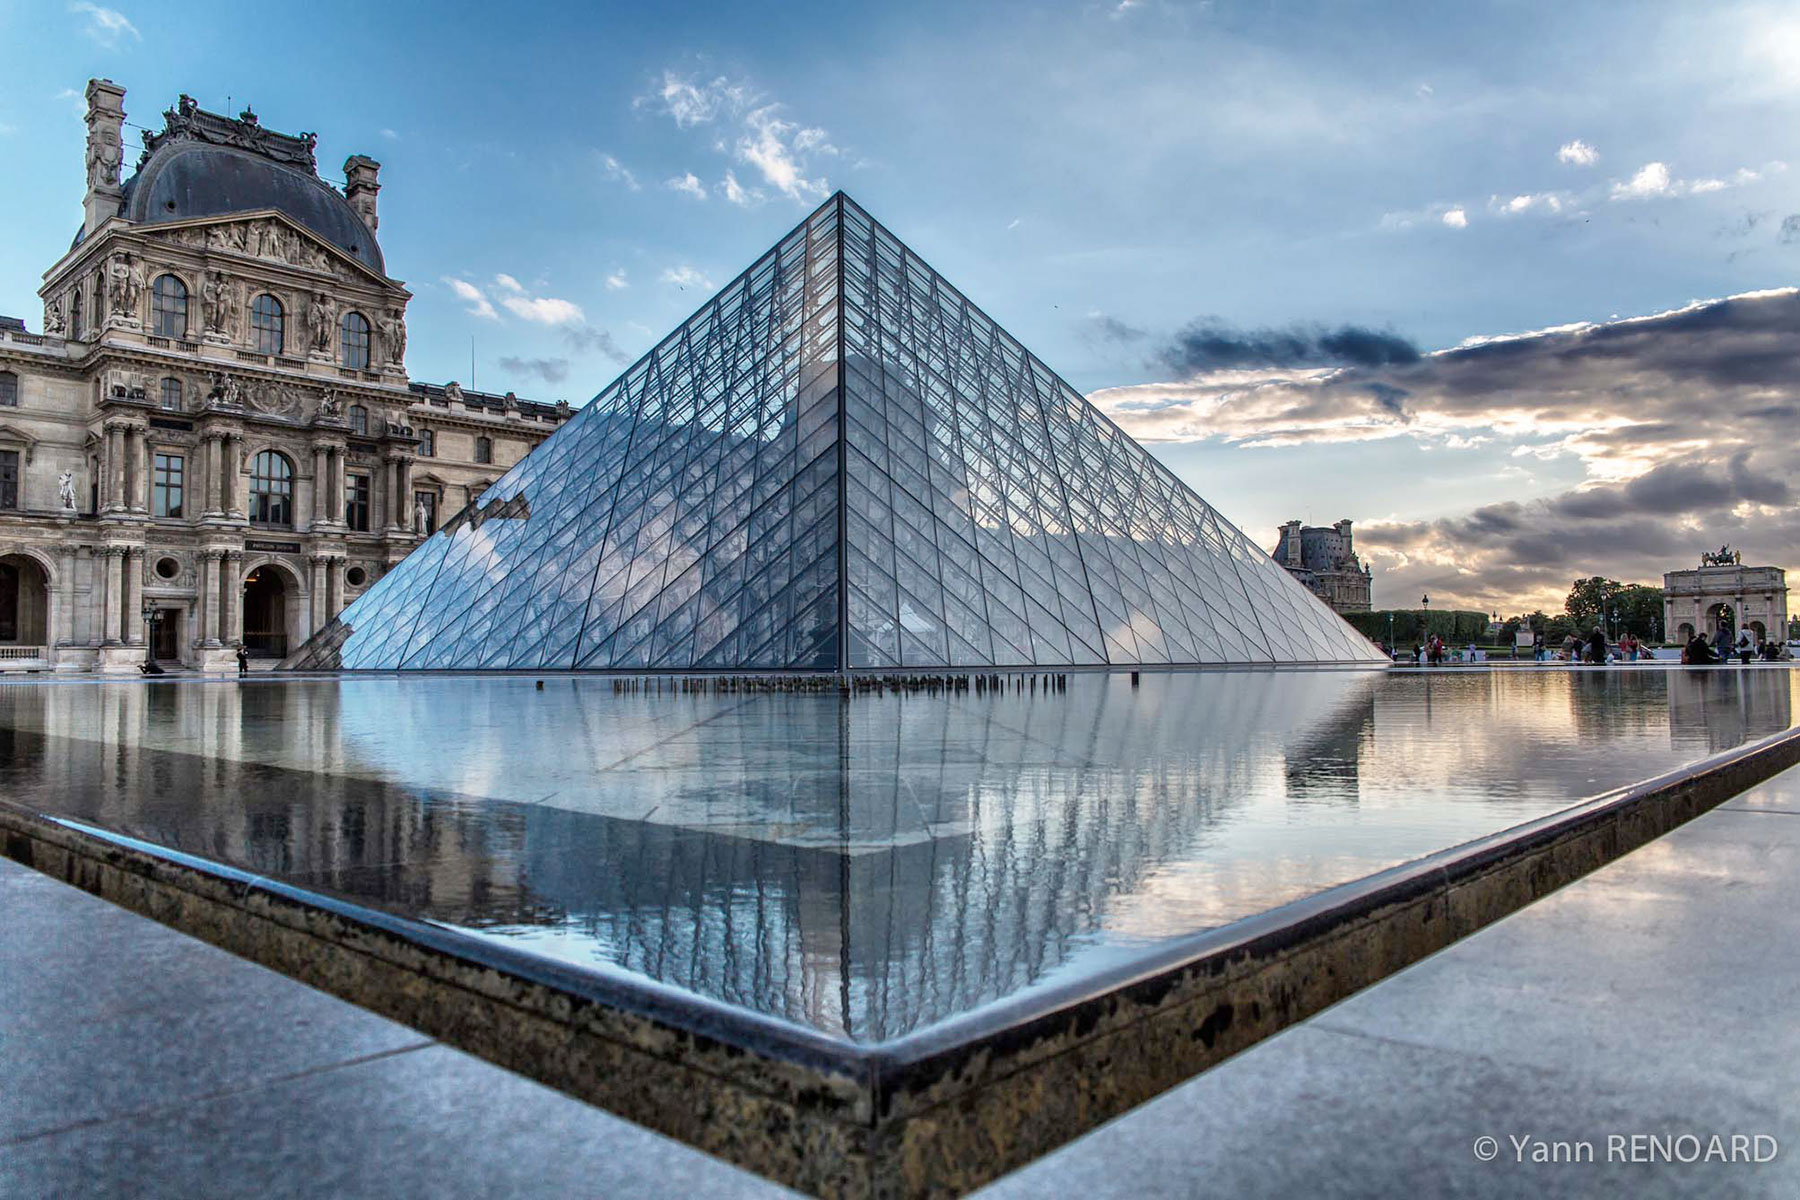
<point x="189" y="178"/>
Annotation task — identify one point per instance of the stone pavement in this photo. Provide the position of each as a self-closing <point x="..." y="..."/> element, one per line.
<point x="1655" y="997"/>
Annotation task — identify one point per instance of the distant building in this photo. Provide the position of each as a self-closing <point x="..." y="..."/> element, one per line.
<point x="1722" y="592"/>
<point x="214" y="442"/>
<point x="1324" y="559"/>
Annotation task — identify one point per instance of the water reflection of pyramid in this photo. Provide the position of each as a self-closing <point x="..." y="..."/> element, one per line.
<point x="838" y="462"/>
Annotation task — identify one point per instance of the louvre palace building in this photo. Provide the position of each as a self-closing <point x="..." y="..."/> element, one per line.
<point x="212" y="442"/>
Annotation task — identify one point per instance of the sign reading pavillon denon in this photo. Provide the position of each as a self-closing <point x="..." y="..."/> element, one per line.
<point x="838" y="463"/>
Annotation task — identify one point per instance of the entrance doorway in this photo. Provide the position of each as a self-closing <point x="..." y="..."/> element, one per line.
<point x="266" y="613"/>
<point x="24" y="606"/>
<point x="166" y="645"/>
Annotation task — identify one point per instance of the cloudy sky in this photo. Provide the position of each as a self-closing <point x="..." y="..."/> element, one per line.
<point x="1506" y="284"/>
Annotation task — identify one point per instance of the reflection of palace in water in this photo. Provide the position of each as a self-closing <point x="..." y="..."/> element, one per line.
<point x="864" y="868"/>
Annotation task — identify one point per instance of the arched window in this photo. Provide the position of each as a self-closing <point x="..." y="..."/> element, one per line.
<point x="266" y="325"/>
<point x="427" y="444"/>
<point x="353" y="341"/>
<point x="9" y="389"/>
<point x="359" y="420"/>
<point x="271" y="489"/>
<point x="168" y="307"/>
<point x="75" y="314"/>
<point x="171" y="394"/>
<point x="484" y="450"/>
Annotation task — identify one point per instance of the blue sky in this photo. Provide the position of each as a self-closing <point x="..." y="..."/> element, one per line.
<point x="1142" y="192"/>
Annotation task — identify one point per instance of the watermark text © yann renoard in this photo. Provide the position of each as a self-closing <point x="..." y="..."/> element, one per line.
<point x="1631" y="1148"/>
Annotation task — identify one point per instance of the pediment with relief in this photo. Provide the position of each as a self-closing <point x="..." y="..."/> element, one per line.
<point x="272" y="238"/>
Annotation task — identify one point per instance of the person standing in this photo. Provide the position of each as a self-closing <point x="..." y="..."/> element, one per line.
<point x="1596" y="647"/>
<point x="243" y="661"/>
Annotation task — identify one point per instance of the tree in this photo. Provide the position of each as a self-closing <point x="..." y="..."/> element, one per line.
<point x="1588" y="600"/>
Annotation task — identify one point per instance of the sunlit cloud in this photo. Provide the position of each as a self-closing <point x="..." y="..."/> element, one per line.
<point x="472" y="295"/>
<point x="688" y="184"/>
<point x="687" y="277"/>
<point x="107" y="26"/>
<point x="617" y="172"/>
<point x="758" y="134"/>
<point x="1577" y="154"/>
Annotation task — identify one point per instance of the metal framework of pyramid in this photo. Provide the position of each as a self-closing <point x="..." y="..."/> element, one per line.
<point x="838" y="463"/>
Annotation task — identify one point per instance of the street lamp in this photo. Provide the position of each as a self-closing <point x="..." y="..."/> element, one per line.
<point x="151" y="616"/>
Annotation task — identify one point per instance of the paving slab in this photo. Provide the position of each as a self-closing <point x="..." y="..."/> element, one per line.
<point x="137" y="1061"/>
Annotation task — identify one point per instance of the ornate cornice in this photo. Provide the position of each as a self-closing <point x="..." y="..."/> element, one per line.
<point x="187" y="121"/>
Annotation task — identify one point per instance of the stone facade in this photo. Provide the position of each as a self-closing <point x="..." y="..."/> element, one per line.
<point x="214" y="442"/>
<point x="1752" y="598"/>
<point x="1324" y="559"/>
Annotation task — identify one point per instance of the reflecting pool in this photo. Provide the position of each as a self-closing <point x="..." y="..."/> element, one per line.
<point x="864" y="867"/>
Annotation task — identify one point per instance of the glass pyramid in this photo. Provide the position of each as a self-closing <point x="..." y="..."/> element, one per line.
<point x="837" y="463"/>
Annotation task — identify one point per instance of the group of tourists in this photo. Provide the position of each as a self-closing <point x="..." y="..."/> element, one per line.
<point x="1699" y="652"/>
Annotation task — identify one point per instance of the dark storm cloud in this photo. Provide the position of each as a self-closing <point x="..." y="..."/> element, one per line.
<point x="1211" y="345"/>
<point x="1683" y="421"/>
<point x="585" y="339"/>
<point x="1111" y="329"/>
<point x="550" y="370"/>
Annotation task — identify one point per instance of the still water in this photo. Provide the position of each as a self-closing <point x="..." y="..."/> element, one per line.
<point x="863" y="868"/>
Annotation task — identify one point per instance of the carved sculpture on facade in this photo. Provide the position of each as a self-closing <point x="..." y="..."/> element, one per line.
<point x="562" y="410"/>
<point x="53" y="317"/>
<point x="226" y="391"/>
<point x="1726" y="557"/>
<point x="421" y="515"/>
<point x="268" y="239"/>
<point x="391" y="330"/>
<point x="104" y="155"/>
<point x="453" y="392"/>
<point x="330" y="407"/>
<point x="318" y="321"/>
<point x="188" y="121"/>
<point x="65" y="490"/>
<point x="215" y="298"/>
<point x="124" y="286"/>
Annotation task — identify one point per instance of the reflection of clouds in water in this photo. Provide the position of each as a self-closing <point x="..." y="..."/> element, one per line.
<point x="963" y="849"/>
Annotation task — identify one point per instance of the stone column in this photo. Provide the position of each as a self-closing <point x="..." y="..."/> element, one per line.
<point x="403" y="476"/>
<point x="231" y="608"/>
<point x="321" y="498"/>
<point x="62" y="599"/>
<point x="111" y="621"/>
<point x="134" y="595"/>
<point x="148" y="459"/>
<point x="334" y="587"/>
<point x="208" y="596"/>
<point x="319" y="615"/>
<point x="234" y="452"/>
<point x="115" y="466"/>
<point x="334" y="490"/>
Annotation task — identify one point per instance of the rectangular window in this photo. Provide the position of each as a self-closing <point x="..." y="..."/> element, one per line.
<point x="427" y="444"/>
<point x="425" y="506"/>
<point x="356" y="502"/>
<point x="9" y="479"/>
<point x="166" y="487"/>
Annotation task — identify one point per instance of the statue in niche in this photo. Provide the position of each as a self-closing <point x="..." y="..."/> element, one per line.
<point x="421" y="515"/>
<point x="392" y="332"/>
<point x="318" y="321"/>
<point x="53" y="317"/>
<point x="104" y="156"/>
<point x="65" y="490"/>
<point x="215" y="298"/>
<point x="124" y="284"/>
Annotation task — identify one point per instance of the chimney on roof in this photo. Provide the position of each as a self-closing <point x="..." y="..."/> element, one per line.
<point x="105" y="151"/>
<point x="1290" y="544"/>
<point x="360" y="187"/>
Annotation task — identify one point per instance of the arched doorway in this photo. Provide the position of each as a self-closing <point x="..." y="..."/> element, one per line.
<point x="1758" y="632"/>
<point x="24" y="608"/>
<point x="1686" y="632"/>
<point x="271" y="605"/>
<point x="1721" y="622"/>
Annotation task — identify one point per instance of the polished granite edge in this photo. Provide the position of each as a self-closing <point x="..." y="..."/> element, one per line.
<point x="938" y="1112"/>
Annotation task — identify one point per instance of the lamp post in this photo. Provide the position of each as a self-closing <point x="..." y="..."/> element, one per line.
<point x="151" y="616"/>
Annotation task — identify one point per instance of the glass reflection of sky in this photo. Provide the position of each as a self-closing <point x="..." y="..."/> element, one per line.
<point x="865" y="868"/>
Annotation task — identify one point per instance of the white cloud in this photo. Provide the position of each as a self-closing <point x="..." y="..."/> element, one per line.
<point x="105" y="25"/>
<point x="1529" y="202"/>
<point x="1702" y="186"/>
<point x="390" y="135"/>
<point x="545" y="310"/>
<point x="687" y="277"/>
<point x="737" y="193"/>
<point x="1456" y="218"/>
<point x="692" y="103"/>
<point x="689" y="184"/>
<point x="1577" y="154"/>
<point x="468" y="292"/>
<point x="617" y="281"/>
<point x="1013" y="224"/>
<point x="508" y="282"/>
<point x="784" y="152"/>
<point x="1652" y="179"/>
<point x="617" y="172"/>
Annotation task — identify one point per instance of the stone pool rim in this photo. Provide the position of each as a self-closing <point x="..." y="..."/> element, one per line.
<point x="897" y="1116"/>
